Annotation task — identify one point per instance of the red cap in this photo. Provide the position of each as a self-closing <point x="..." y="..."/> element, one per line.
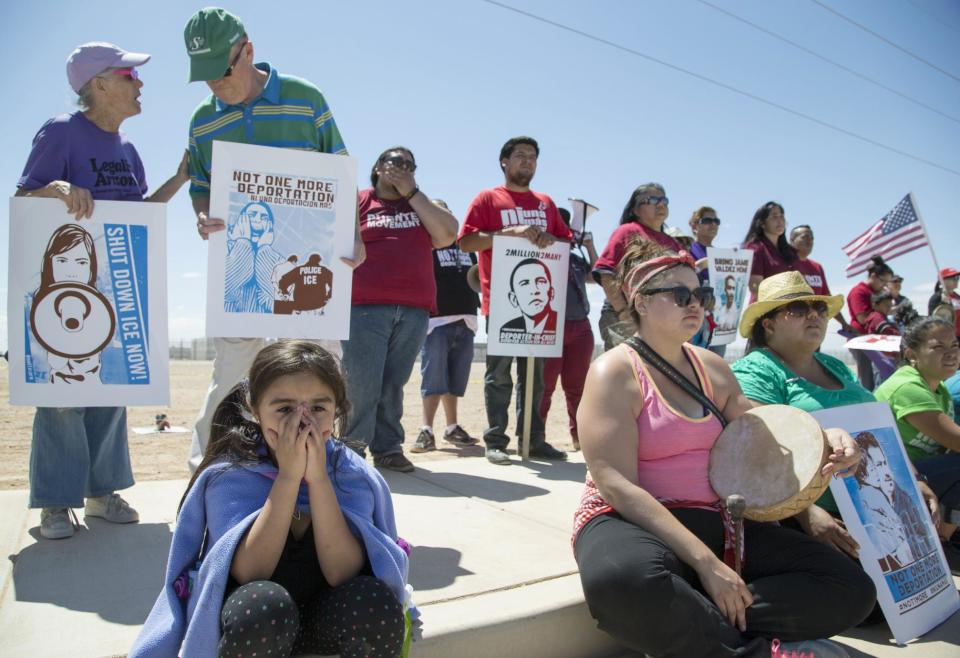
<point x="949" y="272"/>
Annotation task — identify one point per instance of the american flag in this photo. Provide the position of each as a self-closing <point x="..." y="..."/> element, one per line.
<point x="898" y="232"/>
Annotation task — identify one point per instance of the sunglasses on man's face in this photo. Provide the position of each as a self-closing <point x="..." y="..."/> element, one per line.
<point x="682" y="295"/>
<point x="801" y="309"/>
<point x="236" y="58"/>
<point x="401" y="162"/>
<point x="710" y="220"/>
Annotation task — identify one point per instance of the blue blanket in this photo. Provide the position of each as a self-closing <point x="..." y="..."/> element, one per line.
<point x="223" y="502"/>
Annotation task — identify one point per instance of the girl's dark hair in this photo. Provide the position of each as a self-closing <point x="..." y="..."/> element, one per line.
<point x="918" y="332"/>
<point x="878" y="267"/>
<point x="62" y="240"/>
<point x="374" y="176"/>
<point x="637" y="251"/>
<point x="627" y="215"/>
<point x="755" y="232"/>
<point x="234" y="433"/>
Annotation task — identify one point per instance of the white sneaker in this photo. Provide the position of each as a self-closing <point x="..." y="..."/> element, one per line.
<point x="807" y="649"/>
<point x="111" y="508"/>
<point x="55" y="523"/>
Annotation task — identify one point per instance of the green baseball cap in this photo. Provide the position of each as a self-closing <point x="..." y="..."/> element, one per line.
<point x="209" y="36"/>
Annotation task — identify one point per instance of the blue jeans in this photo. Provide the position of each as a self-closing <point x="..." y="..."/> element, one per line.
<point x="77" y="453"/>
<point x="445" y="360"/>
<point x="497" y="388"/>
<point x="378" y="360"/>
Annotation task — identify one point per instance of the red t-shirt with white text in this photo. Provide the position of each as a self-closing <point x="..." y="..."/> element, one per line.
<point x="812" y="271"/>
<point x="494" y="210"/>
<point x="399" y="264"/>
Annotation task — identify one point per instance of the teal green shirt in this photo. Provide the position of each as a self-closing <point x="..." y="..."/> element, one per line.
<point x="766" y="379"/>
<point x="908" y="393"/>
<point x="288" y="113"/>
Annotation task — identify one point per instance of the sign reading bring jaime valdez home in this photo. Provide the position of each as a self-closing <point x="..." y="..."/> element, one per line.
<point x="276" y="270"/>
<point x="528" y="298"/>
<point x="86" y="305"/>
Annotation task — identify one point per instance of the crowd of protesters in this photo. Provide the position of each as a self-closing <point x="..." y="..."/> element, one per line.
<point x="419" y="278"/>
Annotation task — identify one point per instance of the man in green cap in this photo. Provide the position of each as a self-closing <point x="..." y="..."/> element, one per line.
<point x="252" y="104"/>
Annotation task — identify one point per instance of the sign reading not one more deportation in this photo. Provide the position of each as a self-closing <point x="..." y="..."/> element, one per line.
<point x="276" y="270"/>
<point x="87" y="305"/>
<point x="885" y="513"/>
<point x="528" y="298"/>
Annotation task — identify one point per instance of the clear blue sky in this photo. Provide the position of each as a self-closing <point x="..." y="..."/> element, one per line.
<point x="454" y="79"/>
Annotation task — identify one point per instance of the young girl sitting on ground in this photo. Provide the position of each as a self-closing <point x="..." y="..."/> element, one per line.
<point x="291" y="534"/>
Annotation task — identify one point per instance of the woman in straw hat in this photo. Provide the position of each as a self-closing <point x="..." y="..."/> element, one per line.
<point x="653" y="545"/>
<point x="783" y="365"/>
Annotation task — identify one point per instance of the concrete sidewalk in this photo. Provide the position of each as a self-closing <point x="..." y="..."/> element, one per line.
<point x="492" y="568"/>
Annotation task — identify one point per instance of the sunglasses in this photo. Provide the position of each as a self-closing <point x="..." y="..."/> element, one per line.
<point x="654" y="200"/>
<point x="682" y="295"/>
<point x="401" y="162"/>
<point x="130" y="73"/>
<point x="709" y="220"/>
<point x="801" y="309"/>
<point x="236" y="58"/>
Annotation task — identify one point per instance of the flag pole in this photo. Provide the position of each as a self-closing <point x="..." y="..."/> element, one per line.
<point x="916" y="208"/>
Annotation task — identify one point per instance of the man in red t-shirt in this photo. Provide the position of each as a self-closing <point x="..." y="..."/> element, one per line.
<point x="801" y="239"/>
<point x="511" y="209"/>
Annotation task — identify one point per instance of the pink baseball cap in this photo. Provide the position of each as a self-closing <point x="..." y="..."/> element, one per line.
<point x="90" y="59"/>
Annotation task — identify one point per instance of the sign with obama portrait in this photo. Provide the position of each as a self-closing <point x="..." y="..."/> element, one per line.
<point x="276" y="270"/>
<point x="528" y="298"/>
<point x="87" y="305"/>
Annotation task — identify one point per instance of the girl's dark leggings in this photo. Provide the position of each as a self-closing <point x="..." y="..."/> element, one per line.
<point x="362" y="617"/>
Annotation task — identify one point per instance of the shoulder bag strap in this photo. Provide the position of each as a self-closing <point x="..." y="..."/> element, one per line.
<point x="674" y="375"/>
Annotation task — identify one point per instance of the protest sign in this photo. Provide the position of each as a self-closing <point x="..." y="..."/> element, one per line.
<point x="290" y="216"/>
<point x="87" y="305"/>
<point x="528" y="298"/>
<point x="885" y="513"/>
<point x="874" y="343"/>
<point x="729" y="271"/>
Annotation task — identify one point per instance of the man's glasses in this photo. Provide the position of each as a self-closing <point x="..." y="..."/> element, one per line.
<point x="654" y="200"/>
<point x="682" y="295"/>
<point x="401" y="162"/>
<point x="801" y="309"/>
<point x="236" y="58"/>
<point x="709" y="220"/>
<point x="130" y="73"/>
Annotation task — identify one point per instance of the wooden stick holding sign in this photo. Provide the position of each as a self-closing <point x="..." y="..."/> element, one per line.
<point x="528" y="298"/>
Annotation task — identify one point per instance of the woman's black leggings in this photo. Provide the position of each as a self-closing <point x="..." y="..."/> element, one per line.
<point x="647" y="599"/>
<point x="362" y="617"/>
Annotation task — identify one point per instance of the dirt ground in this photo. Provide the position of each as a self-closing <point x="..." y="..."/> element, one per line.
<point x="164" y="456"/>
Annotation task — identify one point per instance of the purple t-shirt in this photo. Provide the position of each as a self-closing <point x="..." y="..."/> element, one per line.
<point x="72" y="148"/>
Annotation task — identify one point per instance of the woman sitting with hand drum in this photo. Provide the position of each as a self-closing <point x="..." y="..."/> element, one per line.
<point x="653" y="547"/>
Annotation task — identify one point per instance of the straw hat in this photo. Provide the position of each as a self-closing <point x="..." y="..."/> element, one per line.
<point x="779" y="290"/>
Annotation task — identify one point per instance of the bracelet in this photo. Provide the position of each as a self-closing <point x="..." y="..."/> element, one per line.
<point x="412" y="194"/>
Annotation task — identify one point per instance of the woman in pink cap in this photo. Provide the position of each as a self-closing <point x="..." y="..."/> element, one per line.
<point x="81" y="452"/>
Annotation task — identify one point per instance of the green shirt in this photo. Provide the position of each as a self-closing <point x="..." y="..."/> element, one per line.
<point x="288" y="113"/>
<point x="908" y="393"/>
<point x="766" y="379"/>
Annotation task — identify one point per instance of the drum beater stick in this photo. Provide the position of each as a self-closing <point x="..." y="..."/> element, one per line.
<point x="736" y="505"/>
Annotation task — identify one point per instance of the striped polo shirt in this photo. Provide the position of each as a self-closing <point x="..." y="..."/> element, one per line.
<point x="289" y="113"/>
